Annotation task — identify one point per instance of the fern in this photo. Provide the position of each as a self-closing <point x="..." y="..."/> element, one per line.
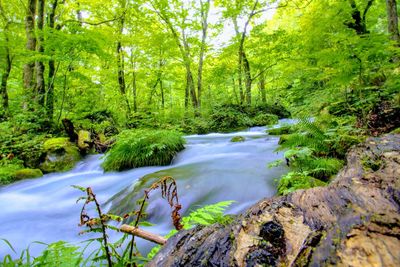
<point x="59" y="254"/>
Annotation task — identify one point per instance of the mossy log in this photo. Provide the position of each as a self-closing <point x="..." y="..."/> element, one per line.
<point x="355" y="221"/>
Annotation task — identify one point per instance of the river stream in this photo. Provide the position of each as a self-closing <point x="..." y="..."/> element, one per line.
<point x="210" y="169"/>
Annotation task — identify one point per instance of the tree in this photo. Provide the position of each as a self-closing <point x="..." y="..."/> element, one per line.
<point x="393" y="24"/>
<point x="30" y="44"/>
<point x="7" y="60"/>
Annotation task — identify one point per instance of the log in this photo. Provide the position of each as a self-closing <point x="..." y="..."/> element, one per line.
<point x="143" y="234"/>
<point x="355" y="221"/>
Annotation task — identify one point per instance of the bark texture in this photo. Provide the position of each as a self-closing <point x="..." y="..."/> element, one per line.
<point x="393" y="21"/>
<point x="355" y="221"/>
<point x="30" y="43"/>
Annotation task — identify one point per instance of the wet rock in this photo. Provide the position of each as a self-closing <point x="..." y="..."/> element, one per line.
<point x="355" y="221"/>
<point x="28" y="173"/>
<point x="61" y="155"/>
<point x="84" y="140"/>
<point x="236" y="139"/>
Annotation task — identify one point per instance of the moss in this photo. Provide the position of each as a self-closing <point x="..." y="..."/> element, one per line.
<point x="137" y="148"/>
<point x="28" y="173"/>
<point x="238" y="139"/>
<point x="396" y="131"/>
<point x="83" y="140"/>
<point x="61" y="155"/>
<point x="369" y="163"/>
<point x="279" y="131"/>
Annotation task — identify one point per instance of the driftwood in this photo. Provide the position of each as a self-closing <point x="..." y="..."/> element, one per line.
<point x="143" y="234"/>
<point x="355" y="221"/>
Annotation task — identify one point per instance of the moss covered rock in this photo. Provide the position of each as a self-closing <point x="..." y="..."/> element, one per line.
<point x="83" y="140"/>
<point x="61" y="155"/>
<point x="238" y="139"/>
<point x="137" y="148"/>
<point x="279" y="131"/>
<point x="28" y="173"/>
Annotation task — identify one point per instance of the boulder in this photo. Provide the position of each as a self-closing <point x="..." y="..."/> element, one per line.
<point x="28" y="173"/>
<point x="84" y="140"/>
<point x="61" y="155"/>
<point x="236" y="139"/>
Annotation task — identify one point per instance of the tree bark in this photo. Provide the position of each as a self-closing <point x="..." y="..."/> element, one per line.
<point x="40" y="82"/>
<point x="355" y="221"/>
<point x="4" y="78"/>
<point x="261" y="87"/>
<point x="52" y="69"/>
<point x="205" y="7"/>
<point x="393" y="21"/>
<point x="30" y="44"/>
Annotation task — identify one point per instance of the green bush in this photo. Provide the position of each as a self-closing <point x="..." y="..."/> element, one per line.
<point x="263" y="119"/>
<point x="227" y="118"/>
<point x="137" y="148"/>
<point x="297" y="180"/>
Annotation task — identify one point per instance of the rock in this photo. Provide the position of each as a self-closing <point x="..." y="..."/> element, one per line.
<point x="355" y="221"/>
<point x="238" y="139"/>
<point x="61" y="155"/>
<point x="279" y="131"/>
<point x="84" y="140"/>
<point x="28" y="173"/>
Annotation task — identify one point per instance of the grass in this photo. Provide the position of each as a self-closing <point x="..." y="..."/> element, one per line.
<point x="137" y="148"/>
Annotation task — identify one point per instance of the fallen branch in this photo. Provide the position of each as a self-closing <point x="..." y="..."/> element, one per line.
<point x="143" y="234"/>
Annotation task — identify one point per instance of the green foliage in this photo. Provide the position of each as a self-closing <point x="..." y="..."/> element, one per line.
<point x="297" y="180"/>
<point x="207" y="215"/>
<point x="263" y="119"/>
<point x="60" y="254"/>
<point x="8" y="169"/>
<point x="137" y="148"/>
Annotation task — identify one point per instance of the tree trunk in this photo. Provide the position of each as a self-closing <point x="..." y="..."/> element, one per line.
<point x="6" y="74"/>
<point x="52" y="69"/>
<point x="261" y="87"/>
<point x="355" y="221"/>
<point x="393" y="24"/>
<point x="30" y="44"/>
<point x="121" y="69"/>
<point x="204" y="24"/>
<point x="249" y="81"/>
<point x="134" y="91"/>
<point x="40" y="83"/>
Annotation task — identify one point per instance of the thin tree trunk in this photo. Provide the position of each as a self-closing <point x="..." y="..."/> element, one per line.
<point x="393" y="21"/>
<point x="30" y="44"/>
<point x="240" y="64"/>
<point x="249" y="80"/>
<point x="6" y="74"/>
<point x="204" y="15"/>
<point x="52" y="69"/>
<point x="261" y="86"/>
<point x="162" y="94"/>
<point x="121" y="70"/>
<point x="134" y="91"/>
<point x="40" y="83"/>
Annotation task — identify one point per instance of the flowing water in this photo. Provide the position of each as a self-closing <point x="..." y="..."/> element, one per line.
<point x="209" y="170"/>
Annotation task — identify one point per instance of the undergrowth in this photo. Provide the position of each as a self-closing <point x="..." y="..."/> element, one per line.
<point x="137" y="148"/>
<point x="315" y="151"/>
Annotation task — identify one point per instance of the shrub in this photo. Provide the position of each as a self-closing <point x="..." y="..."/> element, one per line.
<point x="297" y="180"/>
<point x="263" y="119"/>
<point x="137" y="148"/>
<point x="227" y="118"/>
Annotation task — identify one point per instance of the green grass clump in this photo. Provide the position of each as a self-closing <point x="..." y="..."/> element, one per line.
<point x="137" y="148"/>
<point x="297" y="180"/>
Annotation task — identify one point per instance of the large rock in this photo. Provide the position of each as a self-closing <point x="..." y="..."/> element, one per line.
<point x="61" y="155"/>
<point x="355" y="221"/>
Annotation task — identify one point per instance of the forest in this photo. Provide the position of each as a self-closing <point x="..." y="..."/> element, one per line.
<point x="138" y="79"/>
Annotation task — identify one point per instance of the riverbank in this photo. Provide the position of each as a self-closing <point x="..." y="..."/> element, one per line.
<point x="354" y="221"/>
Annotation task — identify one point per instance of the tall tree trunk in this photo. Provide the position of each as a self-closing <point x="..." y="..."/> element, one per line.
<point x="205" y="7"/>
<point x="249" y="80"/>
<point x="6" y="73"/>
<point x="52" y="69"/>
<point x="121" y="69"/>
<point x="240" y="64"/>
<point x="393" y="21"/>
<point x="261" y="87"/>
<point x="30" y="44"/>
<point x="162" y="94"/>
<point x="134" y="91"/>
<point x="40" y="83"/>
